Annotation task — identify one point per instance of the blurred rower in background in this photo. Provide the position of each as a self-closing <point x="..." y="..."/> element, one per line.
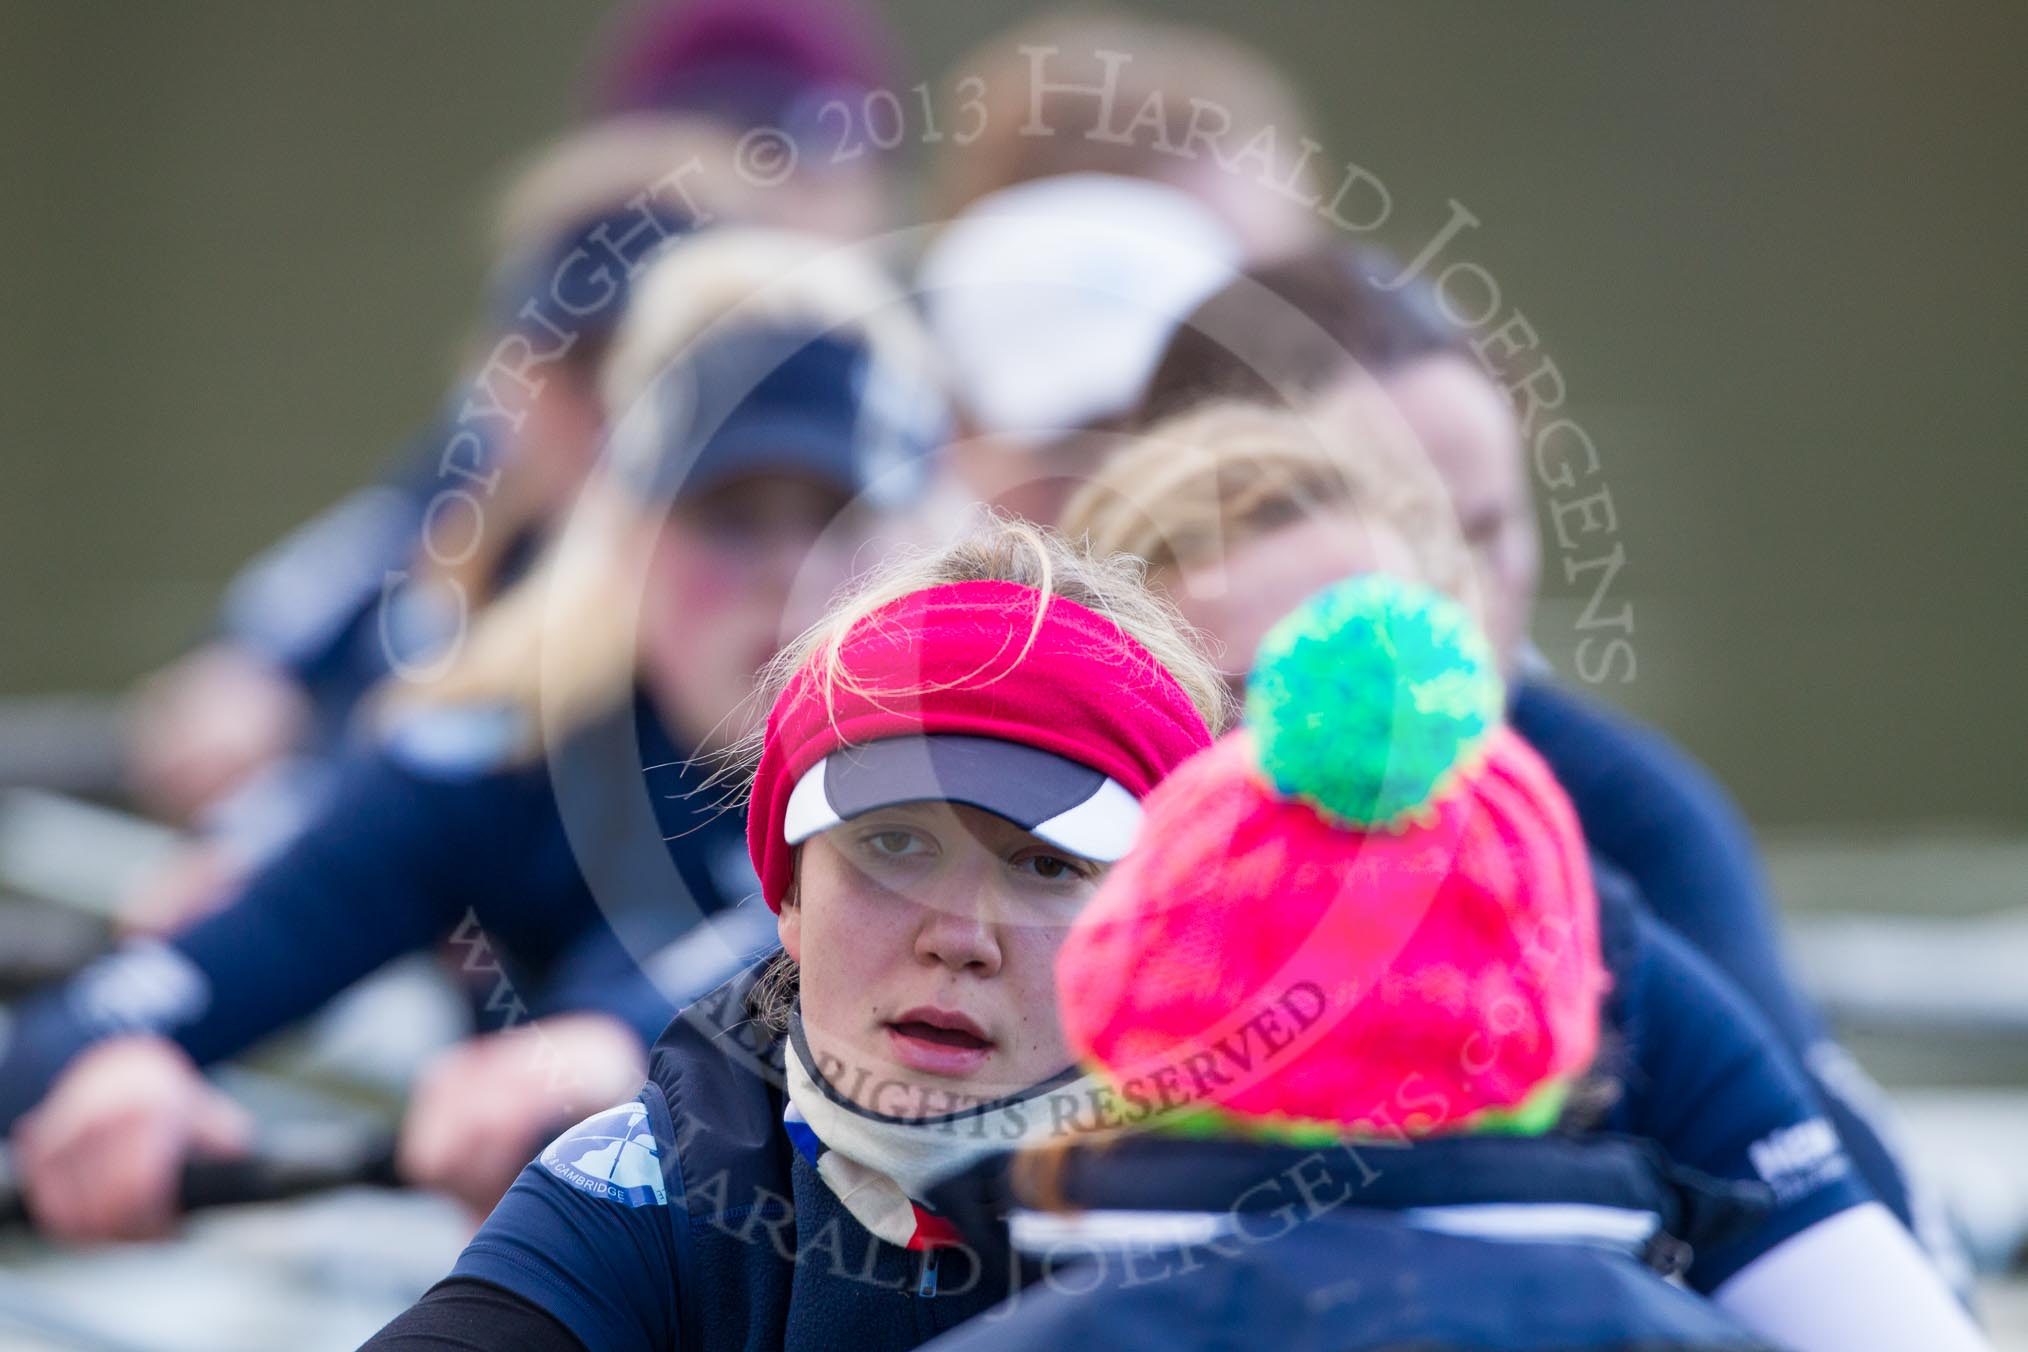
<point x="307" y="627"/>
<point x="772" y="403"/>
<point x="774" y="64"/>
<point x="1136" y="97"/>
<point x="1392" y="365"/>
<point x="318" y="619"/>
<point x="239" y="736"/>
<point x="1120" y="173"/>
<point x="1050" y="302"/>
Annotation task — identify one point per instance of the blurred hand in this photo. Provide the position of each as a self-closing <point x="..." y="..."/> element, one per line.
<point x="204" y="723"/>
<point x="484" y="1108"/>
<point x="192" y="883"/>
<point x="102" y="1155"/>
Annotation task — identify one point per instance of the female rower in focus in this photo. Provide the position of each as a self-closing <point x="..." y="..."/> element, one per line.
<point x="952" y="760"/>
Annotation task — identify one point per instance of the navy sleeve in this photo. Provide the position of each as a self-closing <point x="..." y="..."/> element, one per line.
<point x="1663" y="819"/>
<point x="392" y="863"/>
<point x="1707" y="1080"/>
<point x="325" y="605"/>
<point x="389" y="867"/>
<point x="585" y="1232"/>
<point x="297" y="603"/>
<point x="602" y="974"/>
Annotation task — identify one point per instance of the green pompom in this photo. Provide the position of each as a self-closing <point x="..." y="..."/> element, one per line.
<point x="1369" y="697"/>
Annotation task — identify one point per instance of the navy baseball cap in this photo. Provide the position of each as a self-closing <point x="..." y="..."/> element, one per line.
<point x="579" y="282"/>
<point x="762" y="400"/>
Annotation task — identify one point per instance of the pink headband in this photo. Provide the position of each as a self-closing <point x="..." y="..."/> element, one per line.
<point x="971" y="688"/>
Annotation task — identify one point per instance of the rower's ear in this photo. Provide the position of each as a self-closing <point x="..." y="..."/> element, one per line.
<point x="789" y="919"/>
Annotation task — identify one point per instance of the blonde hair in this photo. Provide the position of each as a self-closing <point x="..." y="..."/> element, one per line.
<point x="1001" y="549"/>
<point x="684" y="161"/>
<point x="758" y="276"/>
<point x="1193" y="488"/>
<point x="1170" y="61"/>
<point x="562" y="640"/>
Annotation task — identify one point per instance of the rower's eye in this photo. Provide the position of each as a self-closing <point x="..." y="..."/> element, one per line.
<point x="894" y="844"/>
<point x="1054" y="868"/>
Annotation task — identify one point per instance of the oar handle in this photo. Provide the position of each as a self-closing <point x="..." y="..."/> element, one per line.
<point x="292" y="1166"/>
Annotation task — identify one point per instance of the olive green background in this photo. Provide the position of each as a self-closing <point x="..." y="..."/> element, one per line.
<point x="1775" y="249"/>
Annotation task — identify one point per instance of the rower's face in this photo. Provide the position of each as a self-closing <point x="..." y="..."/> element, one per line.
<point x="734" y="572"/>
<point x="1463" y="423"/>
<point x="926" y="936"/>
<point x="1235" y="600"/>
<point x="557" y="441"/>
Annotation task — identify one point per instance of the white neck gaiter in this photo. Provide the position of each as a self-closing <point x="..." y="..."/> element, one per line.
<point x="879" y="1165"/>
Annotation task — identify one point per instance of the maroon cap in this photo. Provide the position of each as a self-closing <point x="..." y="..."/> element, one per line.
<point x="746" y="60"/>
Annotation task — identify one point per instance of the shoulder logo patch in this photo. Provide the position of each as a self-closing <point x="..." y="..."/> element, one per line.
<point x="1799" y="1159"/>
<point x="611" y="1155"/>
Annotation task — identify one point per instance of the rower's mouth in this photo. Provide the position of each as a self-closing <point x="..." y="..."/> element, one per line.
<point x="940" y="1037"/>
<point x="941" y="1028"/>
